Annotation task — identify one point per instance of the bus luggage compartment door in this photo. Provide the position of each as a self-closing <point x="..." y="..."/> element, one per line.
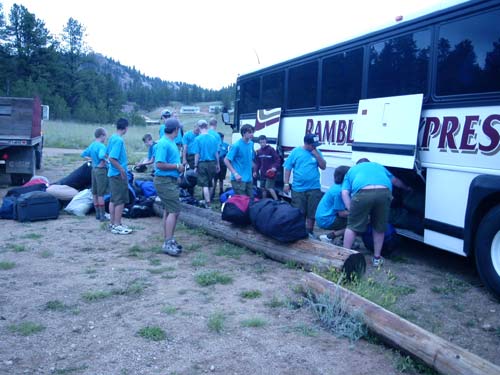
<point x="386" y="130"/>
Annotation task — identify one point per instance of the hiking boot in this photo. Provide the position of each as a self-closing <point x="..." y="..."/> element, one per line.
<point x="120" y="229"/>
<point x="169" y="247"/>
<point x="377" y="262"/>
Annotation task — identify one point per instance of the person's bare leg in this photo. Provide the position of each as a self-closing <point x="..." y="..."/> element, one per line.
<point x="118" y="213"/>
<point x="112" y="213"/>
<point x="273" y="194"/>
<point x="349" y="237"/>
<point x="170" y="224"/>
<point x="378" y="242"/>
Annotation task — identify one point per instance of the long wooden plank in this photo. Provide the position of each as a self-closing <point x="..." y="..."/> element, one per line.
<point x="436" y="352"/>
<point x="309" y="254"/>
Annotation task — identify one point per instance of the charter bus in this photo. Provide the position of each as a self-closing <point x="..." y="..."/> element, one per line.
<point x="421" y="97"/>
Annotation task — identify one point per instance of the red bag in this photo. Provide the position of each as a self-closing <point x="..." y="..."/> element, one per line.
<point x="236" y="210"/>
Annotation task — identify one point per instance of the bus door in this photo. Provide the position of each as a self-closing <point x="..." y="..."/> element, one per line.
<point x="386" y="130"/>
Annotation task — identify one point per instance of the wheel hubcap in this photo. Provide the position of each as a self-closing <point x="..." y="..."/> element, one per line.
<point x="495" y="252"/>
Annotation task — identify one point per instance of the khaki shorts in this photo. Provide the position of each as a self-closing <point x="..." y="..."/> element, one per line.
<point x="372" y="204"/>
<point x="207" y="170"/>
<point x="338" y="224"/>
<point x="268" y="183"/>
<point x="242" y="188"/>
<point x="119" y="190"/>
<point x="167" y="190"/>
<point x="99" y="181"/>
<point x="223" y="171"/>
<point x="307" y="201"/>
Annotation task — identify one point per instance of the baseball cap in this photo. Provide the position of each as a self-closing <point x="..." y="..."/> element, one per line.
<point x="166" y="113"/>
<point x="311" y="139"/>
<point x="171" y="124"/>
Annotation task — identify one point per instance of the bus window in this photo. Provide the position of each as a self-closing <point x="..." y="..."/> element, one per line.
<point x="302" y="86"/>
<point x="341" y="78"/>
<point x="272" y="90"/>
<point x="249" y="96"/>
<point x="469" y="55"/>
<point x="399" y="66"/>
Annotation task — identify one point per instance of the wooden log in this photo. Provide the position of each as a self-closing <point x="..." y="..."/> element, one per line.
<point x="442" y="355"/>
<point x="310" y="254"/>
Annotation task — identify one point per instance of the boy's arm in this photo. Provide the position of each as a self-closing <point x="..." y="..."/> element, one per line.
<point x="116" y="164"/>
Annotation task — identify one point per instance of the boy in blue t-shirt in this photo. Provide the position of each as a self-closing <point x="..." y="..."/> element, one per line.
<point x="97" y="153"/>
<point x="151" y="145"/>
<point x="117" y="177"/>
<point x="223" y="149"/>
<point x="239" y="161"/>
<point x="331" y="212"/>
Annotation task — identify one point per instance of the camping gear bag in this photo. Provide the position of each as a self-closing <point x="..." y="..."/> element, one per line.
<point x="37" y="205"/>
<point x="391" y="240"/>
<point x="278" y="220"/>
<point x="18" y="191"/>
<point x="235" y="210"/>
<point x="7" y="208"/>
<point x="64" y="193"/>
<point x="81" y="203"/>
<point x="79" y="179"/>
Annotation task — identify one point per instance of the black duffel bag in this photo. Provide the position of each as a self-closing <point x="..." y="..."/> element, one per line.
<point x="278" y="220"/>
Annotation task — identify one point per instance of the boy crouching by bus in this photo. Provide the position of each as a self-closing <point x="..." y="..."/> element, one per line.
<point x="96" y="152"/>
<point x="331" y="213"/>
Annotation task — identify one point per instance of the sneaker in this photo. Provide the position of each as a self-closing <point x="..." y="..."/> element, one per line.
<point x="325" y="238"/>
<point x="170" y="248"/>
<point x="103" y="218"/>
<point x="120" y="229"/>
<point x="110" y="226"/>
<point x="377" y="262"/>
<point x="177" y="244"/>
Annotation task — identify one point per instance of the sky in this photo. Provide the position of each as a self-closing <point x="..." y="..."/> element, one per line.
<point x="209" y="43"/>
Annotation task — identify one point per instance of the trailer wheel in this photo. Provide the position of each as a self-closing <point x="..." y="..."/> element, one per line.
<point x="488" y="250"/>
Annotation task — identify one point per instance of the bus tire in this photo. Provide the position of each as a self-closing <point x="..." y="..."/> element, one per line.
<point x="487" y="250"/>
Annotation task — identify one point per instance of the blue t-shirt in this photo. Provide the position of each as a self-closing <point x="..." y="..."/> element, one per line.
<point x="368" y="173"/>
<point x="116" y="150"/>
<point x="215" y="134"/>
<point x="188" y="141"/>
<point x="167" y="152"/>
<point x="96" y="151"/>
<point x="329" y="206"/>
<point x="241" y="156"/>
<point x="177" y="139"/>
<point x="223" y="149"/>
<point x="151" y="150"/>
<point x="305" y="169"/>
<point x="206" y="146"/>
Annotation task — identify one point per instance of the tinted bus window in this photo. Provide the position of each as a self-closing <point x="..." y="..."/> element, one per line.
<point x="469" y="55"/>
<point x="249" y="96"/>
<point x="272" y="90"/>
<point x="341" y="78"/>
<point x="399" y="66"/>
<point x="302" y="86"/>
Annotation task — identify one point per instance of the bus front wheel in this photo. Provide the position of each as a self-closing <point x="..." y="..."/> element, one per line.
<point x="488" y="250"/>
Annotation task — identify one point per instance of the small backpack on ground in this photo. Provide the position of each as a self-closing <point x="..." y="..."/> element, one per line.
<point x="278" y="220"/>
<point x="235" y="210"/>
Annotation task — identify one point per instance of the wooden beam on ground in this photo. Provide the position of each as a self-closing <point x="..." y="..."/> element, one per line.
<point x="309" y="254"/>
<point x="442" y="355"/>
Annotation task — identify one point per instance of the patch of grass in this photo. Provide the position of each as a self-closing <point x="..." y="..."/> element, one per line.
<point x="193" y="247"/>
<point x="70" y="370"/>
<point x="134" y="288"/>
<point x="253" y="322"/>
<point x="32" y="236"/>
<point x="16" y="248"/>
<point x="306" y="330"/>
<point x="26" y="328"/>
<point x="216" y="322"/>
<point x="200" y="260"/>
<point x="46" y="254"/>
<point x="331" y="311"/>
<point x="155" y="262"/>
<point x="275" y="302"/>
<point x="55" y="305"/>
<point x="169" y="310"/>
<point x="152" y="333"/>
<point x="96" y="295"/>
<point x="450" y="286"/>
<point x="230" y="251"/>
<point x="290" y="264"/>
<point x="5" y="265"/>
<point x="399" y="259"/>
<point x="90" y="271"/>
<point x="136" y="251"/>
<point x="160" y="270"/>
<point x="212" y="277"/>
<point x="405" y="364"/>
<point x="251" y="294"/>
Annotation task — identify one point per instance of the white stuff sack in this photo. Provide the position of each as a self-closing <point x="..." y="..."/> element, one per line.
<point x="81" y="203"/>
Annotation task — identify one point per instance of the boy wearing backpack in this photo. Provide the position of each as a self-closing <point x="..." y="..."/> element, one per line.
<point x="96" y="152"/>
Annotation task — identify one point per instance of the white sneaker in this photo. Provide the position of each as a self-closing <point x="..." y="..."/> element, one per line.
<point x="377" y="262"/>
<point x="119" y="229"/>
<point x="325" y="238"/>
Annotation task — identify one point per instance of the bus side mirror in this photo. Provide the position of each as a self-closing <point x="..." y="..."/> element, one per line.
<point x="226" y="118"/>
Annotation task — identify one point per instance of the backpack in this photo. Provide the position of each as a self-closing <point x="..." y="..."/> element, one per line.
<point x="7" y="208"/>
<point x="391" y="240"/>
<point x="235" y="210"/>
<point x="147" y="188"/>
<point x="278" y="220"/>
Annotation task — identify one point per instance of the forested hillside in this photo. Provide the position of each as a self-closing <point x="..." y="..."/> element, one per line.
<point x="76" y="82"/>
